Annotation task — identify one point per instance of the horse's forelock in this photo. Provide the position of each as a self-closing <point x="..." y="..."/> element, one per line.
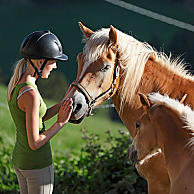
<point x="96" y="45"/>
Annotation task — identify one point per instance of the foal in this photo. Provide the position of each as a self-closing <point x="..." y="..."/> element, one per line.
<point x="168" y="125"/>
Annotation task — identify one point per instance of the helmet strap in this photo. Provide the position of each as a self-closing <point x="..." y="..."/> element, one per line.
<point x="38" y="72"/>
<point x="42" y="67"/>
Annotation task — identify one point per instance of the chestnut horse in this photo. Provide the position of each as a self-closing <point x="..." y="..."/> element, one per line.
<point x="117" y="66"/>
<point x="169" y="125"/>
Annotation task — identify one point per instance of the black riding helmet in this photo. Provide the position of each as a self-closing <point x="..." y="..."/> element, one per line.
<point x="42" y="45"/>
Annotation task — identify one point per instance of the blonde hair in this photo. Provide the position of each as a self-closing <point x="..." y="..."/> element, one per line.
<point x="18" y="71"/>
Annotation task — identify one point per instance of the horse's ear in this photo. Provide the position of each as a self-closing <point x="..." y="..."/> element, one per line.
<point x="145" y="101"/>
<point x="113" y="35"/>
<point x="86" y="31"/>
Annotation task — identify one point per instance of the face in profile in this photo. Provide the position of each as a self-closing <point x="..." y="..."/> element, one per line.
<point x="50" y="65"/>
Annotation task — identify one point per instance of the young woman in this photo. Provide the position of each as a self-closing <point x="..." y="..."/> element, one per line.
<point x="32" y="156"/>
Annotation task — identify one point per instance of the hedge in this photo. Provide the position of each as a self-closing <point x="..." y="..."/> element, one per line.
<point x="97" y="169"/>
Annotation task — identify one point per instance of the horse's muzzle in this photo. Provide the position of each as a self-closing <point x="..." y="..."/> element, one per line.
<point x="80" y="108"/>
<point x="132" y="155"/>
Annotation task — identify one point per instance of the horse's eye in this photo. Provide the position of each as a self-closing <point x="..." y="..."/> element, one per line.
<point x="106" y="67"/>
<point x="137" y="125"/>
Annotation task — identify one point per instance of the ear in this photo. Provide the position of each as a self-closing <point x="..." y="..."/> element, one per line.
<point x="144" y="101"/>
<point x="86" y="31"/>
<point x="113" y="35"/>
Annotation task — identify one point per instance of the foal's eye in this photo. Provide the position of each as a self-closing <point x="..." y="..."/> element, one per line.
<point x="137" y="125"/>
<point x="105" y="68"/>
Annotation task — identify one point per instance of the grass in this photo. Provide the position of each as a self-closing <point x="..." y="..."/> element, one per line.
<point x="69" y="139"/>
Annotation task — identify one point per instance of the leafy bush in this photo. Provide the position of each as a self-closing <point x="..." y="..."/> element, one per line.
<point x="99" y="169"/>
<point x="8" y="179"/>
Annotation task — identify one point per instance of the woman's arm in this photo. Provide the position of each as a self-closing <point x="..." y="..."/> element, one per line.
<point x="31" y="108"/>
<point x="52" y="111"/>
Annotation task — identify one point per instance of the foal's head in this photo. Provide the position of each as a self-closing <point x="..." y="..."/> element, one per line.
<point x="145" y="140"/>
<point x="98" y="77"/>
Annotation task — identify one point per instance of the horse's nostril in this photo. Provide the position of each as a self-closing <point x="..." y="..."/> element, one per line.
<point x="78" y="107"/>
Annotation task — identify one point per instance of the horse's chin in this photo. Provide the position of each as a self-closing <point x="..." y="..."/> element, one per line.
<point x="77" y="121"/>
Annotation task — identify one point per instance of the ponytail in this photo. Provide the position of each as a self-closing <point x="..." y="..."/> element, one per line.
<point x="18" y="71"/>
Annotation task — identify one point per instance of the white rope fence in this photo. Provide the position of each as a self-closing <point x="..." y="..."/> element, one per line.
<point x="152" y="14"/>
<point x="105" y="106"/>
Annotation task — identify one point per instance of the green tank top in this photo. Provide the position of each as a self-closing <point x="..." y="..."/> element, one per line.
<point x="23" y="156"/>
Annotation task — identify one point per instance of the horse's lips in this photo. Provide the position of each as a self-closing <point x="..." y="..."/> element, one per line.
<point x="77" y="121"/>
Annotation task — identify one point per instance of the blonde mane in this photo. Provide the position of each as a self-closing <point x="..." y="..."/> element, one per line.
<point x="185" y="112"/>
<point x="133" y="56"/>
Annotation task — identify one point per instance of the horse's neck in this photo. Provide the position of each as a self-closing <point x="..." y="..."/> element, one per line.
<point x="159" y="78"/>
<point x="156" y="78"/>
<point x="172" y="137"/>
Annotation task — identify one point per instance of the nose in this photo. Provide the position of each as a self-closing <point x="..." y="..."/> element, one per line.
<point x="55" y="66"/>
<point x="132" y="155"/>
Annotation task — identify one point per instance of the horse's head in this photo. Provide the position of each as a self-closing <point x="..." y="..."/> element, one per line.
<point x="145" y="141"/>
<point x="98" y="69"/>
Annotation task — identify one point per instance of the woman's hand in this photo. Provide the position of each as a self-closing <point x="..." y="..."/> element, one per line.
<point x="65" y="112"/>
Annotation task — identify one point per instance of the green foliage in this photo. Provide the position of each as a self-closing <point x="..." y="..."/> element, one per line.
<point x="99" y="169"/>
<point x="8" y="180"/>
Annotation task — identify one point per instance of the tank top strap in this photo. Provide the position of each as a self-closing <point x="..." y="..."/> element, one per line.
<point x="24" y="92"/>
<point x="19" y="86"/>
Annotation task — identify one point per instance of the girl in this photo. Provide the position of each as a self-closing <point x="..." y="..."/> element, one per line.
<point x="32" y="156"/>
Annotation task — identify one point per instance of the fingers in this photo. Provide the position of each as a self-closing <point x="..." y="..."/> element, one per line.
<point x="65" y="111"/>
<point x="67" y="108"/>
<point x="68" y="103"/>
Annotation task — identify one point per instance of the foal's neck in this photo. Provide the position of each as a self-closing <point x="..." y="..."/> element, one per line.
<point x="172" y="137"/>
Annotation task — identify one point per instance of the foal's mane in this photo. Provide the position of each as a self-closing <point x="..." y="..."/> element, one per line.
<point x="184" y="112"/>
<point x="133" y="56"/>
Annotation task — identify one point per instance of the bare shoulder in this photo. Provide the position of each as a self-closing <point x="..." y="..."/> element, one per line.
<point x="28" y="98"/>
